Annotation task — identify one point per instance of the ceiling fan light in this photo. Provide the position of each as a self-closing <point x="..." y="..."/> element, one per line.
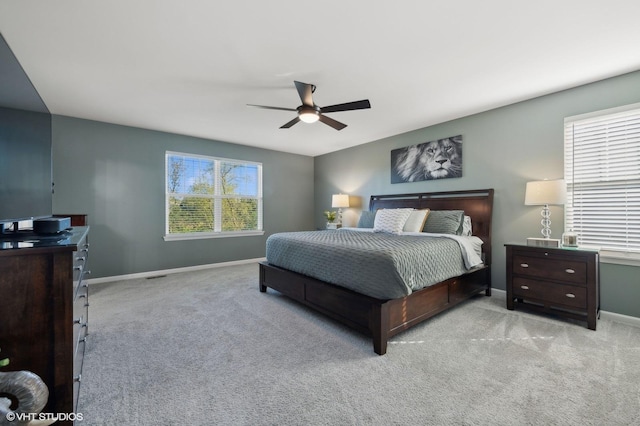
<point x="309" y="116"/>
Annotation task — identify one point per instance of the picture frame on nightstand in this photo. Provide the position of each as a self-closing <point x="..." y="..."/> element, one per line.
<point x="543" y="242"/>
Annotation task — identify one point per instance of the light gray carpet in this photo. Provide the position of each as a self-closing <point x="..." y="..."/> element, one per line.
<point x="206" y="347"/>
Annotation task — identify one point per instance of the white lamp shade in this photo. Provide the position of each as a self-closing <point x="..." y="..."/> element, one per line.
<point x="340" y="200"/>
<point x="541" y="192"/>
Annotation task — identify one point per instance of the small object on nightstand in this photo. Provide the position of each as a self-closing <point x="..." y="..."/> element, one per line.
<point x="333" y="225"/>
<point x="543" y="242"/>
<point x="570" y="239"/>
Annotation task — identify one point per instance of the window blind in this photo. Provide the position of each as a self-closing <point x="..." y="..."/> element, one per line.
<point x="602" y="172"/>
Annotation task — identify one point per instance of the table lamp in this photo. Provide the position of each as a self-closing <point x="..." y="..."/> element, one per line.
<point x="339" y="201"/>
<point x="545" y="193"/>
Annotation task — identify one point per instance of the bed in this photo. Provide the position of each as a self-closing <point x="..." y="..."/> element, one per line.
<point x="388" y="314"/>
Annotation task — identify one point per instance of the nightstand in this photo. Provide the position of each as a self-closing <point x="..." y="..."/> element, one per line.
<point x="561" y="281"/>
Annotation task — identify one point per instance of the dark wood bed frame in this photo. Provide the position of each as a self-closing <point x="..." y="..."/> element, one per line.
<point x="382" y="319"/>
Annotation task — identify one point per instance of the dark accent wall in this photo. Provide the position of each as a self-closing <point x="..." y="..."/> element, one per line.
<point x="116" y="175"/>
<point x="25" y="164"/>
<point x="16" y="90"/>
<point x="503" y="149"/>
<point x="25" y="143"/>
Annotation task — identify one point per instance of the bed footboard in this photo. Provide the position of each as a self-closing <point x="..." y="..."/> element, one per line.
<point x="380" y="319"/>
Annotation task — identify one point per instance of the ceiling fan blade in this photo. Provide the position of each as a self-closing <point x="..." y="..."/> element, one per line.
<point x="272" y="107"/>
<point x="331" y="122"/>
<point x="305" y="90"/>
<point x="291" y="123"/>
<point x="349" y="106"/>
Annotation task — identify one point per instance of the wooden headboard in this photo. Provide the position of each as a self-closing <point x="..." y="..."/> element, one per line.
<point x="477" y="203"/>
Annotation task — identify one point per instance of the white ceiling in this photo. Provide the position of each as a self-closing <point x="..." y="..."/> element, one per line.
<point x="191" y="66"/>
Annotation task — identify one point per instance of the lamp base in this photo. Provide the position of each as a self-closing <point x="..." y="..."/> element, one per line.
<point x="543" y="242"/>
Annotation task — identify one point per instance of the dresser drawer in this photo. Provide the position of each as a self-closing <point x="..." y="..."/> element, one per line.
<point x="80" y="314"/>
<point x="78" y="361"/>
<point x="79" y="332"/>
<point x="80" y="258"/>
<point x="550" y="293"/>
<point x="566" y="270"/>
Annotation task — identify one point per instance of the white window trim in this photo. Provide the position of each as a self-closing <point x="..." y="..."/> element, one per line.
<point x="208" y="235"/>
<point x="216" y="233"/>
<point x="619" y="258"/>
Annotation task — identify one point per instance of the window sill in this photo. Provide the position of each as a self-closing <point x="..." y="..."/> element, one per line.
<point x="627" y="259"/>
<point x="208" y="235"/>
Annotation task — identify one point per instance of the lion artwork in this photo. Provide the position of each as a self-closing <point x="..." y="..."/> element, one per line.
<point x="430" y="160"/>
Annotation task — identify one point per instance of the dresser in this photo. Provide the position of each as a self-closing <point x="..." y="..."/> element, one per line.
<point x="560" y="281"/>
<point x="44" y="311"/>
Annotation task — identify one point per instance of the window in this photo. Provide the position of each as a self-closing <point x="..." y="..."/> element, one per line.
<point x="602" y="171"/>
<point x="212" y="197"/>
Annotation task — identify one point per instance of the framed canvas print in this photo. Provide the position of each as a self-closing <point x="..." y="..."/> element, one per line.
<point x="439" y="159"/>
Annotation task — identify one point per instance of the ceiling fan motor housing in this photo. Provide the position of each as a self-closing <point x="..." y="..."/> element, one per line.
<point x="309" y="114"/>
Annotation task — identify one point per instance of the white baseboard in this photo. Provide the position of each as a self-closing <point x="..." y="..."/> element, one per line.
<point x="611" y="316"/>
<point x="624" y="319"/>
<point x="150" y="274"/>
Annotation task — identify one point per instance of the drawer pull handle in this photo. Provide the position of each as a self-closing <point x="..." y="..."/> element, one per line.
<point x="77" y="268"/>
<point x="80" y="259"/>
<point x="570" y="271"/>
<point x="524" y="265"/>
<point x="78" y="321"/>
<point x="81" y="296"/>
<point x="524" y="287"/>
<point x="78" y="378"/>
<point x="570" y="295"/>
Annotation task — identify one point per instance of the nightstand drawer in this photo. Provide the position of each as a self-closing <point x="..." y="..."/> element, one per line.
<point x="570" y="271"/>
<point x="550" y="293"/>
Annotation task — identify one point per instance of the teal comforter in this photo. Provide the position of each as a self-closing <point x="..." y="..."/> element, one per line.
<point x="380" y="265"/>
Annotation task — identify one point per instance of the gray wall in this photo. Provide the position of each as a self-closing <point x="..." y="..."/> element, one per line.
<point x="115" y="174"/>
<point x="502" y="149"/>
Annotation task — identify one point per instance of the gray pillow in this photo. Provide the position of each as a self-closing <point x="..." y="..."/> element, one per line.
<point x="367" y="219"/>
<point x="445" y="222"/>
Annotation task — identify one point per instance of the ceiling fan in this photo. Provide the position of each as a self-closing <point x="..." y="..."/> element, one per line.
<point x="309" y="112"/>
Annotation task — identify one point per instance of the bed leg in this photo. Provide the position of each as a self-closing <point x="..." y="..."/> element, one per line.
<point x="380" y="328"/>
<point x="487" y="292"/>
<point x="261" y="285"/>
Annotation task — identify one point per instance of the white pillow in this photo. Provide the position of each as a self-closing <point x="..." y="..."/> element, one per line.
<point x="416" y="221"/>
<point x="391" y="220"/>
<point x="466" y="226"/>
